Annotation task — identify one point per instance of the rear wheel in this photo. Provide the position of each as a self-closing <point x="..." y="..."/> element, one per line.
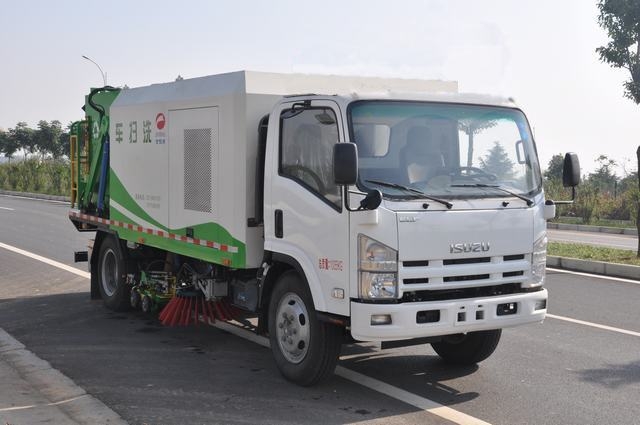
<point x="111" y="276"/>
<point x="146" y="304"/>
<point x="306" y="350"/>
<point x="134" y="299"/>
<point x="468" y="349"/>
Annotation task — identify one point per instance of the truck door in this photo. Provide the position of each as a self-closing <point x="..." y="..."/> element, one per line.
<point x="304" y="215"/>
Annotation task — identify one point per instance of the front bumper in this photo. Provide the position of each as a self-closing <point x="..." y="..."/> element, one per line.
<point x="455" y="316"/>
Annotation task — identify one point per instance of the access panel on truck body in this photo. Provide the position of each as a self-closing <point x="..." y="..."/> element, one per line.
<point x="173" y="183"/>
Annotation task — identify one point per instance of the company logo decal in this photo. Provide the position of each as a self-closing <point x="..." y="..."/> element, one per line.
<point x="334" y="265"/>
<point x="160" y="121"/>
<point x="408" y="219"/>
<point x="459" y="248"/>
<point x="95" y="130"/>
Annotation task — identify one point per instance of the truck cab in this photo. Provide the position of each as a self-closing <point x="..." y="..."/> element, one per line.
<point x="456" y="249"/>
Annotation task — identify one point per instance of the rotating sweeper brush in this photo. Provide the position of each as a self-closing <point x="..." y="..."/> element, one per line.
<point x="189" y="305"/>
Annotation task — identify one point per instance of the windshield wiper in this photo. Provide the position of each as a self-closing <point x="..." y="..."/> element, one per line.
<point x="420" y="193"/>
<point x="495" y="186"/>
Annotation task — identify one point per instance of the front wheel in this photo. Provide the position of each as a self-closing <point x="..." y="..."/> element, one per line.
<point x="468" y="349"/>
<point x="306" y="350"/>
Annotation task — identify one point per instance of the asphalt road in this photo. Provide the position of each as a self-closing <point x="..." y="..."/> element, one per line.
<point x="557" y="372"/>
<point x="596" y="239"/>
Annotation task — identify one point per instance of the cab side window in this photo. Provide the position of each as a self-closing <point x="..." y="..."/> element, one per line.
<point x="307" y="137"/>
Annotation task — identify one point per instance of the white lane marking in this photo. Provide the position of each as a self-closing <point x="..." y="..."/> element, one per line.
<point x="45" y="260"/>
<point x="31" y="406"/>
<point x="379" y="386"/>
<point x="409" y="398"/>
<point x="594" y="325"/>
<point x="598" y="276"/>
<point x="8" y="209"/>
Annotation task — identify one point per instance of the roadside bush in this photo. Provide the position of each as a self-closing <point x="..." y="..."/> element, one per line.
<point x="593" y="205"/>
<point x="51" y="177"/>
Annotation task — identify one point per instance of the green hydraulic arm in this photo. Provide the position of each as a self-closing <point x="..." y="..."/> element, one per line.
<point x="97" y="120"/>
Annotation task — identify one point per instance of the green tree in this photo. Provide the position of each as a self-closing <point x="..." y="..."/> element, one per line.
<point x="604" y="178"/>
<point x="554" y="169"/>
<point x="64" y="141"/>
<point x="14" y="139"/>
<point x="621" y="20"/>
<point x="4" y="137"/>
<point x="497" y="162"/>
<point x="21" y="138"/>
<point x="47" y="138"/>
<point x="628" y="182"/>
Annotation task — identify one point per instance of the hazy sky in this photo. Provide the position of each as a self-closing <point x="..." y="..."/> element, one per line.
<point x="540" y="52"/>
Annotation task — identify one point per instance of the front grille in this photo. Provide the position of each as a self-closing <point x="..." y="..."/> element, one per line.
<point x="466" y="278"/>
<point x="415" y="263"/>
<point x="454" y="261"/>
<point x="514" y="257"/>
<point x="416" y="281"/>
<point x="461" y="273"/>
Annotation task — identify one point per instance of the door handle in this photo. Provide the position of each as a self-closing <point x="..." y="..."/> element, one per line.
<point x="279" y="224"/>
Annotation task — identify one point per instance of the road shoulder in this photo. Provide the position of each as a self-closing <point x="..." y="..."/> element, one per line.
<point x="33" y="392"/>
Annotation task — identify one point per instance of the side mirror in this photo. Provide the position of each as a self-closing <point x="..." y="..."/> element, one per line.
<point x="570" y="178"/>
<point x="345" y="163"/>
<point x="571" y="170"/>
<point x="372" y="201"/>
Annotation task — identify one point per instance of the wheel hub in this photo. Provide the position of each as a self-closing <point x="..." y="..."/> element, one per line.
<point x="292" y="328"/>
<point x="109" y="272"/>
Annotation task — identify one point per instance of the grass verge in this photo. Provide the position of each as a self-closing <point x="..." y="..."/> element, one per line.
<point x="51" y="177"/>
<point x="623" y="224"/>
<point x="594" y="253"/>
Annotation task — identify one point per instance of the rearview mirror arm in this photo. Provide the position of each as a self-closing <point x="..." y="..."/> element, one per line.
<point x="573" y="198"/>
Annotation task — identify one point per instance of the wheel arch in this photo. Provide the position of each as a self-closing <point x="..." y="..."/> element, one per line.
<point x="278" y="264"/>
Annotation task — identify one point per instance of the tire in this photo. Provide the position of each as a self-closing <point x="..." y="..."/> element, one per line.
<point x="305" y="349"/>
<point x="134" y="299"/>
<point x="468" y="349"/>
<point x="111" y="276"/>
<point x="146" y="305"/>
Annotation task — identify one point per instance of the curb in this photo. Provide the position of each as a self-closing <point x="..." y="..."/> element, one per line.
<point x="595" y="267"/>
<point x="593" y="229"/>
<point x="35" y="195"/>
<point x="61" y="392"/>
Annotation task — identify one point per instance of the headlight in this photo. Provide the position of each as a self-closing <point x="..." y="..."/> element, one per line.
<point x="378" y="270"/>
<point x="538" y="262"/>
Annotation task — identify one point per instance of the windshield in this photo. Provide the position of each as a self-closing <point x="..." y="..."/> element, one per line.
<point x="446" y="150"/>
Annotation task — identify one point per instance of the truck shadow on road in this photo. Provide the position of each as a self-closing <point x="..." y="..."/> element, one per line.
<point x="417" y="370"/>
<point x="614" y="375"/>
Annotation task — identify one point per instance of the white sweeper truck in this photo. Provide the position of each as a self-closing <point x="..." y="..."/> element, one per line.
<point x="316" y="210"/>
